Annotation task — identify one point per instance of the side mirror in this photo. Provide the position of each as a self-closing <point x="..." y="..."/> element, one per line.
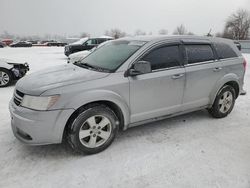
<point x="140" y="67"/>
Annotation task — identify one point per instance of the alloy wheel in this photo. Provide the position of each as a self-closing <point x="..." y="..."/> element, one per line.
<point x="225" y="101"/>
<point x="4" y="78"/>
<point x="95" y="131"/>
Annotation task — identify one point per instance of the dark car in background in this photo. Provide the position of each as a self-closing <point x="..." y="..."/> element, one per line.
<point x="245" y="46"/>
<point x="33" y="41"/>
<point x="55" y="43"/>
<point x="2" y="45"/>
<point x="21" y="44"/>
<point x="84" y="44"/>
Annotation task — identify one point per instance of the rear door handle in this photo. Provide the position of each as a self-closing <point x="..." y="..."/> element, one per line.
<point x="177" y="76"/>
<point x="217" y="69"/>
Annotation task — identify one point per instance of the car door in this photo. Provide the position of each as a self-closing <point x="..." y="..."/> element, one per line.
<point x="89" y="44"/>
<point x="202" y="73"/>
<point x="99" y="41"/>
<point x="160" y="92"/>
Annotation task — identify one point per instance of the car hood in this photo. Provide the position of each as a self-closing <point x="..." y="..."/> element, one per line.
<point x="39" y="82"/>
<point x="74" y="45"/>
<point x="9" y="64"/>
<point x="80" y="54"/>
<point x="9" y="61"/>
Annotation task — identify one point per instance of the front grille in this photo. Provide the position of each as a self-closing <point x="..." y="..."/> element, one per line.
<point x="19" y="93"/>
<point x="18" y="97"/>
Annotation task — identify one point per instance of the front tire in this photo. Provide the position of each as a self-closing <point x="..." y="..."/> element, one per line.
<point x="6" y="77"/>
<point x="93" y="130"/>
<point x="224" y="102"/>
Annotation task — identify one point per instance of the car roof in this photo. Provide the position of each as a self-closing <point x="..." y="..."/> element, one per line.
<point x="105" y="37"/>
<point x="185" y="38"/>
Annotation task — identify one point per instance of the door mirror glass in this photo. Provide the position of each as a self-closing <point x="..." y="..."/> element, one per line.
<point x="140" y="67"/>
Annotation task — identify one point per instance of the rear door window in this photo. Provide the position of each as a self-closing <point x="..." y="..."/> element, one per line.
<point x="99" y="41"/>
<point x="197" y="53"/>
<point x="224" y="51"/>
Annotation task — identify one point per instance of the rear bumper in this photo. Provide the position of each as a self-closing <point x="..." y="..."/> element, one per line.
<point x="38" y="127"/>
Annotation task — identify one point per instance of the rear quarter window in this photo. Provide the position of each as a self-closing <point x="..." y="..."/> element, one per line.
<point x="224" y="51"/>
<point x="199" y="53"/>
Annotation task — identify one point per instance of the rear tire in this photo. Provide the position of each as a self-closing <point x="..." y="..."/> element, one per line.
<point x="224" y="102"/>
<point x="6" y="77"/>
<point x="93" y="130"/>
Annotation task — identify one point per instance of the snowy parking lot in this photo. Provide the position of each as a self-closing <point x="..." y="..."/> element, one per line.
<point x="192" y="150"/>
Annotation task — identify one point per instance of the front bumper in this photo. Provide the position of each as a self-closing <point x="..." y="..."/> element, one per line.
<point x="19" y="70"/>
<point x="38" y="127"/>
<point x="67" y="51"/>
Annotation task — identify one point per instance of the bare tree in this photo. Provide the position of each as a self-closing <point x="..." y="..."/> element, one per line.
<point x="218" y="34"/>
<point x="180" y="30"/>
<point x="7" y="35"/>
<point x="237" y="25"/>
<point x="84" y="34"/>
<point x="209" y="33"/>
<point x="163" y="32"/>
<point x="139" y="32"/>
<point x="190" y="33"/>
<point x="116" y="33"/>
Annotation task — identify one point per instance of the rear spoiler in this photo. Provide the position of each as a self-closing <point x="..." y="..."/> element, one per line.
<point x="238" y="45"/>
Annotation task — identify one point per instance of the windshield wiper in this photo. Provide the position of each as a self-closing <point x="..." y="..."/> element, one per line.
<point x="91" y="67"/>
<point x="78" y="63"/>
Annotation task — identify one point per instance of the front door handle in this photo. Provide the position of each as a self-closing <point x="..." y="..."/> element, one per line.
<point x="177" y="76"/>
<point x="217" y="69"/>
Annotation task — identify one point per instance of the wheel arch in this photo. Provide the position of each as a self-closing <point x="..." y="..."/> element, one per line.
<point x="113" y="106"/>
<point x="229" y="79"/>
<point x="107" y="98"/>
<point x="5" y="65"/>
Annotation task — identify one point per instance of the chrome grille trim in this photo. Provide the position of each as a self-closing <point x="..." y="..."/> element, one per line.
<point x="18" y="97"/>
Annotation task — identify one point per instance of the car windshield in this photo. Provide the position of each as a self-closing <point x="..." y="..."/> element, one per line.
<point x="112" y="55"/>
<point x="81" y="41"/>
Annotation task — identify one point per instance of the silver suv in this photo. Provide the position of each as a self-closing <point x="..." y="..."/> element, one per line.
<point x="125" y="83"/>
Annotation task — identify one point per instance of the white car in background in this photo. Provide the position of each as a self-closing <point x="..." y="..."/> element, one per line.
<point x="11" y="70"/>
<point x="78" y="56"/>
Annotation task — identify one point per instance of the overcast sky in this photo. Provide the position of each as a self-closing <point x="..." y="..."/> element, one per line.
<point x="71" y="17"/>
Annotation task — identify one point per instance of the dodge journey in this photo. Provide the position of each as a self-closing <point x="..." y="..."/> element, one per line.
<point x="125" y="83"/>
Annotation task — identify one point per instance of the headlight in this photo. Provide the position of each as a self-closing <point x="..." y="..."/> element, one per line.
<point x="39" y="102"/>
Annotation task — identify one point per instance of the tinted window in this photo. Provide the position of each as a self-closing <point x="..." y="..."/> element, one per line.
<point x="224" y="51"/>
<point x="199" y="53"/>
<point x="101" y="40"/>
<point x="163" y="57"/>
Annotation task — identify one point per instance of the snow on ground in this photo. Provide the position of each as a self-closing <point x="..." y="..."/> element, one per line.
<point x="192" y="150"/>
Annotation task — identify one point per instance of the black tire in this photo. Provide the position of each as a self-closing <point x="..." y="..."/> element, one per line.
<point x="218" y="110"/>
<point x="97" y="111"/>
<point x="10" y="76"/>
